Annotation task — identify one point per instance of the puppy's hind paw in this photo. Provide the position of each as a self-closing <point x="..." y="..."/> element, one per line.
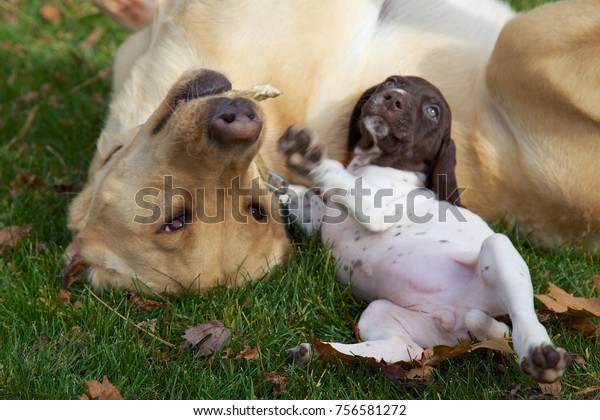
<point x="297" y="145"/>
<point x="545" y="363"/>
<point x="301" y="354"/>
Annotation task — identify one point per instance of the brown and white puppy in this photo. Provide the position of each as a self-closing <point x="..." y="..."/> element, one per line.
<point x="409" y="130"/>
<point x="432" y="272"/>
<point x="523" y="90"/>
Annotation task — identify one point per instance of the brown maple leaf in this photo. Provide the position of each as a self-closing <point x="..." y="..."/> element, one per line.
<point x="576" y="312"/>
<point x="565" y="304"/>
<point x="249" y="353"/>
<point x="101" y="391"/>
<point x="146" y="304"/>
<point x="10" y="236"/>
<point x="210" y="337"/>
<point x="401" y="374"/>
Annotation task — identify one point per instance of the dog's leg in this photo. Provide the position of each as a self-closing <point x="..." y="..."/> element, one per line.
<point x="484" y="327"/>
<point x="385" y="329"/>
<point x="507" y="281"/>
<point x="306" y="208"/>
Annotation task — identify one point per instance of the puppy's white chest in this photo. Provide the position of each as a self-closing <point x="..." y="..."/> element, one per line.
<point x="382" y="178"/>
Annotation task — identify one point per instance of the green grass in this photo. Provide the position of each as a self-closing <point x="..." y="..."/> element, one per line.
<point x="52" y="106"/>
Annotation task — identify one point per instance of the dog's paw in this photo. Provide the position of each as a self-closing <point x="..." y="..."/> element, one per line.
<point x="297" y="145"/>
<point x="545" y="363"/>
<point x="301" y="354"/>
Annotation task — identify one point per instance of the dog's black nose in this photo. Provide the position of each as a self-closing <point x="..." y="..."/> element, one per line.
<point x="394" y="100"/>
<point x="235" y="122"/>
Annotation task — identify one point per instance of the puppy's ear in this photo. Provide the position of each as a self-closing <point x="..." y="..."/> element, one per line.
<point x="353" y="131"/>
<point x="442" y="176"/>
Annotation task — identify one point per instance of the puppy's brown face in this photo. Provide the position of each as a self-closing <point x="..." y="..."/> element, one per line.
<point x="182" y="206"/>
<point x="405" y="123"/>
<point x="407" y="118"/>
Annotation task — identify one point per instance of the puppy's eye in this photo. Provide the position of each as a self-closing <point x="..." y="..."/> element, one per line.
<point x="177" y="223"/>
<point x="433" y="112"/>
<point x="257" y="212"/>
<point x="390" y="83"/>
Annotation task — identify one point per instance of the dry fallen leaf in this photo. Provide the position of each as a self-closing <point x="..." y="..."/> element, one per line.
<point x="576" y="312"/>
<point x="577" y="358"/>
<point x="92" y="39"/>
<point x="25" y="181"/>
<point x="10" y="236"/>
<point x="563" y="303"/>
<point x="211" y="336"/>
<point x="146" y="304"/>
<point x="50" y="13"/>
<point x="249" y="353"/>
<point x="278" y="380"/>
<point x="584" y="326"/>
<point x="554" y="389"/>
<point x="420" y="373"/>
<point x="73" y="271"/>
<point x="62" y="297"/>
<point x="590" y="393"/>
<point x="101" y="391"/>
<point x="498" y="344"/>
<point x="416" y="377"/>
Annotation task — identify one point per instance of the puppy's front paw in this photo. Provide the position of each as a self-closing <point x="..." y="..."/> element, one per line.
<point x="545" y="363"/>
<point x="297" y="145"/>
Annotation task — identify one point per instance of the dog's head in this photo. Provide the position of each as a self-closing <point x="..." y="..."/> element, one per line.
<point x="183" y="205"/>
<point x="408" y="120"/>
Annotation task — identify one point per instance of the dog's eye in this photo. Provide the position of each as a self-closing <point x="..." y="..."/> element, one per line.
<point x="111" y="154"/>
<point x="390" y="83"/>
<point x="177" y="223"/>
<point x="257" y="212"/>
<point x="433" y="112"/>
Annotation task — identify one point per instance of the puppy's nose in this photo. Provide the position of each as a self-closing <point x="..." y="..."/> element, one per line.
<point x="235" y="122"/>
<point x="394" y="100"/>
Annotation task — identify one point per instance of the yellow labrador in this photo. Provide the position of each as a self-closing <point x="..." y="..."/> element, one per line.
<point x="523" y="89"/>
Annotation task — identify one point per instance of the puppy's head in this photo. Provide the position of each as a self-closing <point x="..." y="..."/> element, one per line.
<point x="182" y="206"/>
<point x="408" y="121"/>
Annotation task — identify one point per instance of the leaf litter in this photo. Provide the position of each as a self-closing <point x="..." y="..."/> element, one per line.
<point x="278" y="380"/>
<point x="100" y="391"/>
<point x="10" y="236"/>
<point x="417" y="372"/>
<point x="576" y="312"/>
<point x="209" y="337"/>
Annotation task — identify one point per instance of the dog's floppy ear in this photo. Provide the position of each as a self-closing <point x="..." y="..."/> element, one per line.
<point x="442" y="176"/>
<point x="353" y="131"/>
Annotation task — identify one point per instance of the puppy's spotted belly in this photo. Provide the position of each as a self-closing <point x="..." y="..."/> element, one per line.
<point x="413" y="273"/>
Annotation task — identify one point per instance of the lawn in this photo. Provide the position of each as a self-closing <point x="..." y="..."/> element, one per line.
<point x="55" y="72"/>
